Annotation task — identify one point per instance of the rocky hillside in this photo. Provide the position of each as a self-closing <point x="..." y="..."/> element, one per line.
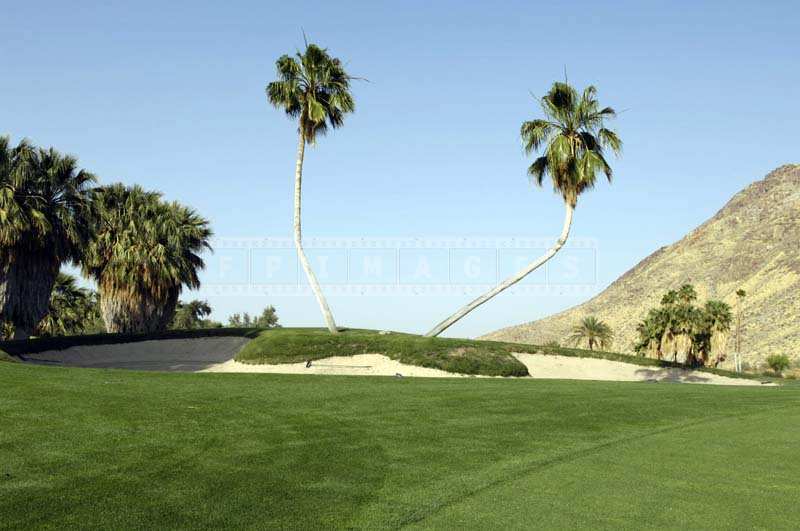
<point x="753" y="243"/>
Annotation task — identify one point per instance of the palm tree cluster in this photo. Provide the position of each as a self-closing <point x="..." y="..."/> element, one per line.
<point x="143" y="252"/>
<point x="140" y="249"/>
<point x="591" y="332"/>
<point x="682" y="332"/>
<point x="191" y="315"/>
<point x="267" y="319"/>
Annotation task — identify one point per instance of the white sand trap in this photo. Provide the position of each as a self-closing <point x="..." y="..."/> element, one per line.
<point x="573" y="368"/>
<point x="360" y="364"/>
<point x="215" y="354"/>
<point x="189" y="354"/>
<point x="539" y="366"/>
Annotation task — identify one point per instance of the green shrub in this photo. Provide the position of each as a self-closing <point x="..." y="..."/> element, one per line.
<point x="778" y="363"/>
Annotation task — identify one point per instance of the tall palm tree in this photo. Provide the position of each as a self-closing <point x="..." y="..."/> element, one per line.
<point x="574" y="136"/>
<point x="45" y="221"/>
<point x="314" y="89"/>
<point x="737" y="361"/>
<point x="70" y="310"/>
<point x="143" y="253"/>
<point x="592" y="332"/>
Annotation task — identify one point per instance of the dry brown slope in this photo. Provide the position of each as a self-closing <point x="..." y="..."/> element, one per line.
<point x="752" y="243"/>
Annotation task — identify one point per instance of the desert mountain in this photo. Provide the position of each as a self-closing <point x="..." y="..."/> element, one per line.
<point x="753" y="243"/>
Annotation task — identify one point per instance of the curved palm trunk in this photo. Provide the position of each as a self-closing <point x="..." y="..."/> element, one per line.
<point x="447" y="323"/>
<point x="298" y="239"/>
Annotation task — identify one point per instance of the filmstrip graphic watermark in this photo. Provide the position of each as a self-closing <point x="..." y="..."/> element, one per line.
<point x="397" y="266"/>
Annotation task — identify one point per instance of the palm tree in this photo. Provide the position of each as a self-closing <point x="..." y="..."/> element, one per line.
<point x="574" y="136"/>
<point x="686" y="294"/>
<point x="651" y="331"/>
<point x="70" y="310"/>
<point x="740" y="295"/>
<point x="717" y="319"/>
<point x="684" y="323"/>
<point x="190" y="315"/>
<point x="313" y="88"/>
<point x="45" y="221"/>
<point x="144" y="252"/>
<point x="593" y="332"/>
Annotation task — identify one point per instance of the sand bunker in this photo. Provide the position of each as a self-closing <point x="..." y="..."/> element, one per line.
<point x="192" y="354"/>
<point x="215" y="354"/>
<point x="539" y="366"/>
<point x="360" y="364"/>
<point x="573" y="368"/>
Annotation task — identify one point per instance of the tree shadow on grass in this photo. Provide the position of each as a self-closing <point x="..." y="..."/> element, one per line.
<point x="671" y="374"/>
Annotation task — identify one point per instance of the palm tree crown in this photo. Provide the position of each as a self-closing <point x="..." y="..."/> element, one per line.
<point x="718" y="316"/>
<point x="314" y="88"/>
<point x="575" y="136"/>
<point x="45" y="202"/>
<point x="593" y="332"/>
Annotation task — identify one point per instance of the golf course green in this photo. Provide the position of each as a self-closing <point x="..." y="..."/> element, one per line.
<point x="115" y="449"/>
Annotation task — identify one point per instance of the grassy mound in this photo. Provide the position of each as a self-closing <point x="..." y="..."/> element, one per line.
<point x="104" y="449"/>
<point x="293" y="345"/>
<point x="5" y="357"/>
<point x="466" y="356"/>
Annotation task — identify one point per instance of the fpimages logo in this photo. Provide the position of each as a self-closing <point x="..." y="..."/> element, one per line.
<point x="391" y="266"/>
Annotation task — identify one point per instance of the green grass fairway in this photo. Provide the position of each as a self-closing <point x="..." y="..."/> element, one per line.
<point x="91" y="448"/>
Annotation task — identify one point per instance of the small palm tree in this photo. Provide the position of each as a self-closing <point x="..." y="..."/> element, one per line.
<point x="45" y="221"/>
<point x="592" y="332"/>
<point x="686" y="294"/>
<point x="314" y="89"/>
<point x="144" y="252"/>
<point x="574" y="136"/>
<point x="190" y="315"/>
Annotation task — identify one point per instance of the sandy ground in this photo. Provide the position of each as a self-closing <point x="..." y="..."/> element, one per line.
<point x="571" y="368"/>
<point x="539" y="366"/>
<point x="360" y="364"/>
<point x="215" y="354"/>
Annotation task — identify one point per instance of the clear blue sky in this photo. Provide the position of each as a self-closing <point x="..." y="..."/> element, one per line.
<point x="171" y="95"/>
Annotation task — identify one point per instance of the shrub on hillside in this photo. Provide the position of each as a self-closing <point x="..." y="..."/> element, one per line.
<point x="778" y="363"/>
